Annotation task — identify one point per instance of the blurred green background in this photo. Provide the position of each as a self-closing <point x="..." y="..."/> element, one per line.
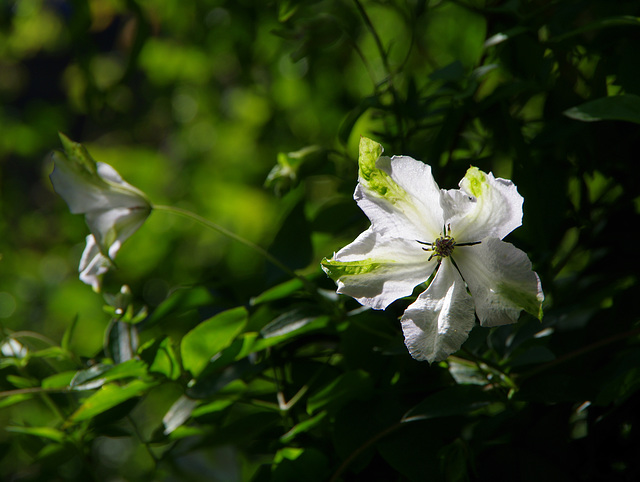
<point x="249" y="114"/>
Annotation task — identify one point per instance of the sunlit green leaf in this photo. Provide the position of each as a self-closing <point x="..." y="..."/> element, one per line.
<point x="303" y="427"/>
<point x="49" y="433"/>
<point x="210" y="337"/>
<point x="100" y="374"/>
<point x="179" y="413"/>
<point x="278" y="292"/>
<point x="59" y="380"/>
<point x="161" y="358"/>
<point x="109" y="396"/>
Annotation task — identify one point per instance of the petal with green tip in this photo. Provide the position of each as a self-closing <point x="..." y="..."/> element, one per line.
<point x="398" y="194"/>
<point x="113" y="208"/>
<point x="483" y="207"/>
<point x="377" y="270"/>
<point x="501" y="281"/>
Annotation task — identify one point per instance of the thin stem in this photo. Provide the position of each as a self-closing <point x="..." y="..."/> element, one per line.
<point x="385" y="62"/>
<point x="224" y="231"/>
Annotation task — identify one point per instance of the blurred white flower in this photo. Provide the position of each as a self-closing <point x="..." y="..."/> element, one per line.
<point x="452" y="237"/>
<point x="113" y="208"/>
<point x="12" y="348"/>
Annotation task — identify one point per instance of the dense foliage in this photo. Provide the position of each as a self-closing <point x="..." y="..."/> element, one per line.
<point x="214" y="363"/>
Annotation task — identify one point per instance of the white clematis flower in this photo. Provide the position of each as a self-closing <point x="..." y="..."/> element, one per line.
<point x="453" y="237"/>
<point x="113" y="209"/>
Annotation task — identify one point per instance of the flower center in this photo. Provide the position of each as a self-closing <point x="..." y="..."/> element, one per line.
<point x="443" y="246"/>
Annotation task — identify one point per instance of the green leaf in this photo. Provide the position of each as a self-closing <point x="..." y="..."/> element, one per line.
<point x="290" y="321"/>
<point x="293" y="463"/>
<point x="292" y="243"/>
<point x="278" y="292"/>
<point x="303" y="427"/>
<point x="178" y="414"/>
<point x="122" y="341"/>
<point x="68" y="333"/>
<point x="59" y="380"/>
<point x="624" y="107"/>
<point x="454" y="460"/>
<point x="292" y="328"/>
<point x="453" y="72"/>
<point x="161" y="358"/>
<point x="210" y="337"/>
<point x="213" y="380"/>
<point x="619" y="21"/>
<point x="180" y="301"/>
<point x="100" y="374"/>
<point x="456" y="400"/>
<point x="49" y="433"/>
<point x="344" y="132"/>
<point x="108" y="397"/>
<point x="20" y="382"/>
<point x="349" y="386"/>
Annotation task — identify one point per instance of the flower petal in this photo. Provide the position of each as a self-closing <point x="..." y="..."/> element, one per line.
<point x="398" y="194"/>
<point x="377" y="270"/>
<point x="501" y="281"/>
<point x="482" y="207"/>
<point x="87" y="185"/>
<point x="93" y="264"/>
<point x="439" y="321"/>
<point x="112" y="227"/>
<point x="114" y="209"/>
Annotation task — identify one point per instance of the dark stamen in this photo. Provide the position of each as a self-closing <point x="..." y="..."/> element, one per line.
<point x="468" y="244"/>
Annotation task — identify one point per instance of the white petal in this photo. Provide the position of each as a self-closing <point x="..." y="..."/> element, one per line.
<point x="377" y="270"/>
<point x="132" y="196"/>
<point x="85" y="193"/>
<point x="114" y="209"/>
<point x="482" y="207"/>
<point x="114" y="226"/>
<point x="398" y="195"/>
<point x="93" y="264"/>
<point x="501" y="281"/>
<point x="439" y="321"/>
<point x="422" y="203"/>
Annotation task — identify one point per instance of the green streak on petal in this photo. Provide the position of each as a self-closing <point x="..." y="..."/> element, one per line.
<point x="521" y="298"/>
<point x="338" y="269"/>
<point x="369" y="153"/>
<point x="375" y="180"/>
<point x="77" y="156"/>
<point x="475" y="181"/>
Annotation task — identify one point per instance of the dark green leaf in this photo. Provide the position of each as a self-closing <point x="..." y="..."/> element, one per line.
<point x="353" y="385"/>
<point x="180" y="301"/>
<point x="456" y="400"/>
<point x="620" y="107"/>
